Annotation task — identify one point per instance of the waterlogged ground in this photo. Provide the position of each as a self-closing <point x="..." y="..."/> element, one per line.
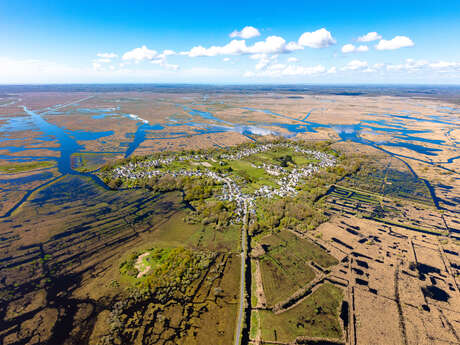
<point x="63" y="233"/>
<point x="79" y="131"/>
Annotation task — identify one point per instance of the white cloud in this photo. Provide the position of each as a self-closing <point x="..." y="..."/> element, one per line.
<point x="235" y="47"/>
<point x="410" y="65"/>
<point x="226" y="59"/>
<point x="271" y="45"/>
<point x="292" y="46"/>
<point x="300" y="70"/>
<point x="246" y="33"/>
<point x="107" y="55"/>
<point x="355" y="65"/>
<point x="103" y="60"/>
<point x="144" y="54"/>
<point x="317" y="39"/>
<point x="444" y="64"/>
<point x="263" y="62"/>
<point x="140" y="54"/>
<point x="96" y="66"/>
<point x="395" y="43"/>
<point x="277" y="66"/>
<point x="16" y="71"/>
<point x="280" y="70"/>
<point x="166" y="53"/>
<point x="332" y="70"/>
<point x="257" y="56"/>
<point x="348" y="48"/>
<point x="163" y="63"/>
<point x="293" y="59"/>
<point x="369" y="37"/>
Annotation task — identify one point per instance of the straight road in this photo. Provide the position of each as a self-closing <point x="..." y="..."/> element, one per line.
<point x="244" y="253"/>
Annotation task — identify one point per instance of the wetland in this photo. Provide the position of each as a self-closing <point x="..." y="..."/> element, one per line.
<point x="184" y="215"/>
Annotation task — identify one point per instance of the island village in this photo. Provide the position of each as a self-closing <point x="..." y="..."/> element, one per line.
<point x="287" y="178"/>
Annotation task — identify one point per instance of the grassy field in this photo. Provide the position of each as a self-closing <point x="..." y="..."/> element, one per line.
<point x="14" y="168"/>
<point x="271" y="157"/>
<point x="89" y="161"/>
<point x="285" y="267"/>
<point x="256" y="177"/>
<point x="226" y="240"/>
<point x="316" y="316"/>
<point x="255" y="324"/>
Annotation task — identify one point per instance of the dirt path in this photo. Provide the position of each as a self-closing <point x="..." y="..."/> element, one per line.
<point x="140" y="266"/>
<point x="261" y="300"/>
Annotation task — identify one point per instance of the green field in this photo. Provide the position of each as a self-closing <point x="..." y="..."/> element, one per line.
<point x="272" y="157"/>
<point x="316" y="316"/>
<point x="18" y="167"/>
<point x="255" y="177"/>
<point x="285" y="267"/>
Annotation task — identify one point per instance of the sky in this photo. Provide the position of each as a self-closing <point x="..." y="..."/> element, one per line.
<point x="223" y="42"/>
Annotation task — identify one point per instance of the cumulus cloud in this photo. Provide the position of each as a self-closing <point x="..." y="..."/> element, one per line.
<point x="350" y="48"/>
<point x="332" y="70"/>
<point x="145" y="54"/>
<point x="271" y="45"/>
<point x="235" y="47"/>
<point x="369" y="37"/>
<point x="355" y="65"/>
<point x="395" y="43"/>
<point x="317" y="39"/>
<point x="107" y="55"/>
<point x="226" y="59"/>
<point x="293" y="59"/>
<point x="362" y="48"/>
<point x="246" y="33"/>
<point x="140" y="54"/>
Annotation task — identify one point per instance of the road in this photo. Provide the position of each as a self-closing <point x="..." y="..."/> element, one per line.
<point x="243" y="275"/>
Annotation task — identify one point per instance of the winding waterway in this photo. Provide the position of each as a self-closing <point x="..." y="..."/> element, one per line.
<point x="205" y="122"/>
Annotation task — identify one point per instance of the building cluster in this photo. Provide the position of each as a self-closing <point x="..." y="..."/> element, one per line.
<point x="231" y="191"/>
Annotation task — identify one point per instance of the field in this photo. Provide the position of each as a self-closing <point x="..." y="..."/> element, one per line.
<point x="286" y="265"/>
<point x="317" y="316"/>
<point x="26" y="166"/>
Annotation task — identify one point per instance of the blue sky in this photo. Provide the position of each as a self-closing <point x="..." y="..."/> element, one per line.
<point x="222" y="42"/>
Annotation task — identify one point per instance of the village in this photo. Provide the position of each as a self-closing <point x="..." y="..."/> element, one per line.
<point x="287" y="178"/>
